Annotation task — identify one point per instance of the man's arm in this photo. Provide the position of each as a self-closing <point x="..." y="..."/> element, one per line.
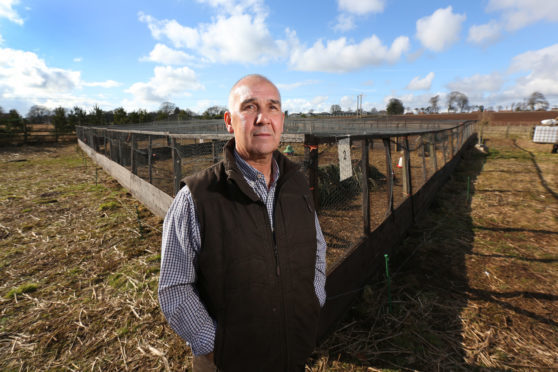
<point x="320" y="276"/>
<point x="178" y="296"/>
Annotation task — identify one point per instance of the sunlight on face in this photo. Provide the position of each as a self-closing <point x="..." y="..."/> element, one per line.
<point x="255" y="118"/>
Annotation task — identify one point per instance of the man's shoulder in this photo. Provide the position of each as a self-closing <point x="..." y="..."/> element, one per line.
<point x="204" y="178"/>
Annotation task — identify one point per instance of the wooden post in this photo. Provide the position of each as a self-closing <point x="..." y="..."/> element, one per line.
<point x="424" y="170"/>
<point x="24" y="133"/>
<point x="120" y="160"/>
<point x="150" y="159"/>
<point x="177" y="165"/>
<point x="364" y="185"/>
<point x="407" y="191"/>
<point x="451" y="143"/>
<point x="433" y="152"/>
<point x="214" y="154"/>
<point x="389" y="175"/>
<point x="311" y="158"/>
<point x="444" y="147"/>
<point x="133" y="155"/>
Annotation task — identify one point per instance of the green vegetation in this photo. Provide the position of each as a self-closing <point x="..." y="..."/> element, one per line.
<point x="24" y="288"/>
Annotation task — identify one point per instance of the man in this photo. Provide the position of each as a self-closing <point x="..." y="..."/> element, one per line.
<point x="243" y="256"/>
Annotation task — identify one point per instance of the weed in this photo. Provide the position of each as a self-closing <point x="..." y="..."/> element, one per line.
<point x="24" y="288"/>
<point x="110" y="205"/>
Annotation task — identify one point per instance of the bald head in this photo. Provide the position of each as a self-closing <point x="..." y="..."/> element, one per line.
<point x="238" y="88"/>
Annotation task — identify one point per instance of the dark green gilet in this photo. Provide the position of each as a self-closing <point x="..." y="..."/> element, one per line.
<point x="257" y="284"/>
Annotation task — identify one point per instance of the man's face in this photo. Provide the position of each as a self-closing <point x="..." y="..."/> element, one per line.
<point x="255" y="118"/>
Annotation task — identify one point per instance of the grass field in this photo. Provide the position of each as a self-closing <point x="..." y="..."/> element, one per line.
<point x="475" y="284"/>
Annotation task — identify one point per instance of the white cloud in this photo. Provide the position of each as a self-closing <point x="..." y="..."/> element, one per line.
<point x="239" y="37"/>
<point x="341" y="56"/>
<point x="179" y="35"/>
<point x="166" y="83"/>
<point x="316" y="104"/>
<point x="167" y="56"/>
<point x="520" y="13"/>
<point x="103" y="84"/>
<point x="344" y="23"/>
<point x="25" y="79"/>
<point x="7" y="11"/>
<point x="485" y="34"/>
<point x="542" y="66"/>
<point x="24" y="74"/>
<point x="421" y="84"/>
<point x="361" y="7"/>
<point x="298" y="84"/>
<point x="78" y="59"/>
<point x="348" y="103"/>
<point x="478" y="84"/>
<point x="440" y="30"/>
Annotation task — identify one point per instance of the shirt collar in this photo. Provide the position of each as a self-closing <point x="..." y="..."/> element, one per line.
<point x="251" y="174"/>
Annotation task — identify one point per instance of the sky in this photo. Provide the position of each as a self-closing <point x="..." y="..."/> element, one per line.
<point x="138" y="54"/>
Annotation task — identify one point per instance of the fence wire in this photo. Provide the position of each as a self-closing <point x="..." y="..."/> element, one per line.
<point x="387" y="167"/>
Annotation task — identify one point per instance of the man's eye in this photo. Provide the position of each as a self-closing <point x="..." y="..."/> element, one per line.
<point x="249" y="107"/>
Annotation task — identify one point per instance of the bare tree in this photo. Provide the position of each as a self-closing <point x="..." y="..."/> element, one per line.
<point x="335" y="109"/>
<point x="537" y="101"/>
<point x="434" y="108"/>
<point x="457" y="100"/>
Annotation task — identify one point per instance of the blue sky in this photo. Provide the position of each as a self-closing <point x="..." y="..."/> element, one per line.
<point x="138" y="54"/>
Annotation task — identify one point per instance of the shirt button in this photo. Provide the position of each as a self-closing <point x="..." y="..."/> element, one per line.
<point x="274" y="309"/>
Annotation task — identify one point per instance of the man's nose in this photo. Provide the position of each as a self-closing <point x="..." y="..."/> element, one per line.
<point x="263" y="117"/>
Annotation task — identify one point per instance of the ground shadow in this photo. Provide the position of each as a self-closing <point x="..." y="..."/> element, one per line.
<point x="413" y="321"/>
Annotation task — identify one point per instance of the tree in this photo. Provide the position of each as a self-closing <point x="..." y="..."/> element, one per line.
<point x="214" y="112"/>
<point x="434" y="108"/>
<point x="537" y="101"/>
<point x="59" y="120"/>
<point x="166" y="109"/>
<point x="395" y="107"/>
<point x="120" y="116"/>
<point x="335" y="109"/>
<point x="457" y="100"/>
<point x="76" y="116"/>
<point x="96" y="116"/>
<point x="38" y="114"/>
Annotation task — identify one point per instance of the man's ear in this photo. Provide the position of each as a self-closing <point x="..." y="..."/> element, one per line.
<point x="228" y="122"/>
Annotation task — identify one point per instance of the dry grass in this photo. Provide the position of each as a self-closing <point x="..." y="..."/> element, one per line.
<point x="476" y="284"/>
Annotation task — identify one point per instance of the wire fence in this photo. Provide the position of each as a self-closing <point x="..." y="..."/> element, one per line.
<point x="359" y="172"/>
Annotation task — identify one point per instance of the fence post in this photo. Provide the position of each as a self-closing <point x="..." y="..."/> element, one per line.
<point x="423" y="156"/>
<point x="444" y="147"/>
<point x="364" y="185"/>
<point x="214" y="151"/>
<point x="311" y="158"/>
<point x="451" y="143"/>
<point x="105" y="142"/>
<point x="177" y="165"/>
<point x="433" y="152"/>
<point x="150" y="158"/>
<point x="133" y="155"/>
<point x="389" y="175"/>
<point x="407" y="188"/>
<point x="120" y="160"/>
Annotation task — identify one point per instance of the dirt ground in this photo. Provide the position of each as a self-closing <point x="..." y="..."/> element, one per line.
<point x="475" y="285"/>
